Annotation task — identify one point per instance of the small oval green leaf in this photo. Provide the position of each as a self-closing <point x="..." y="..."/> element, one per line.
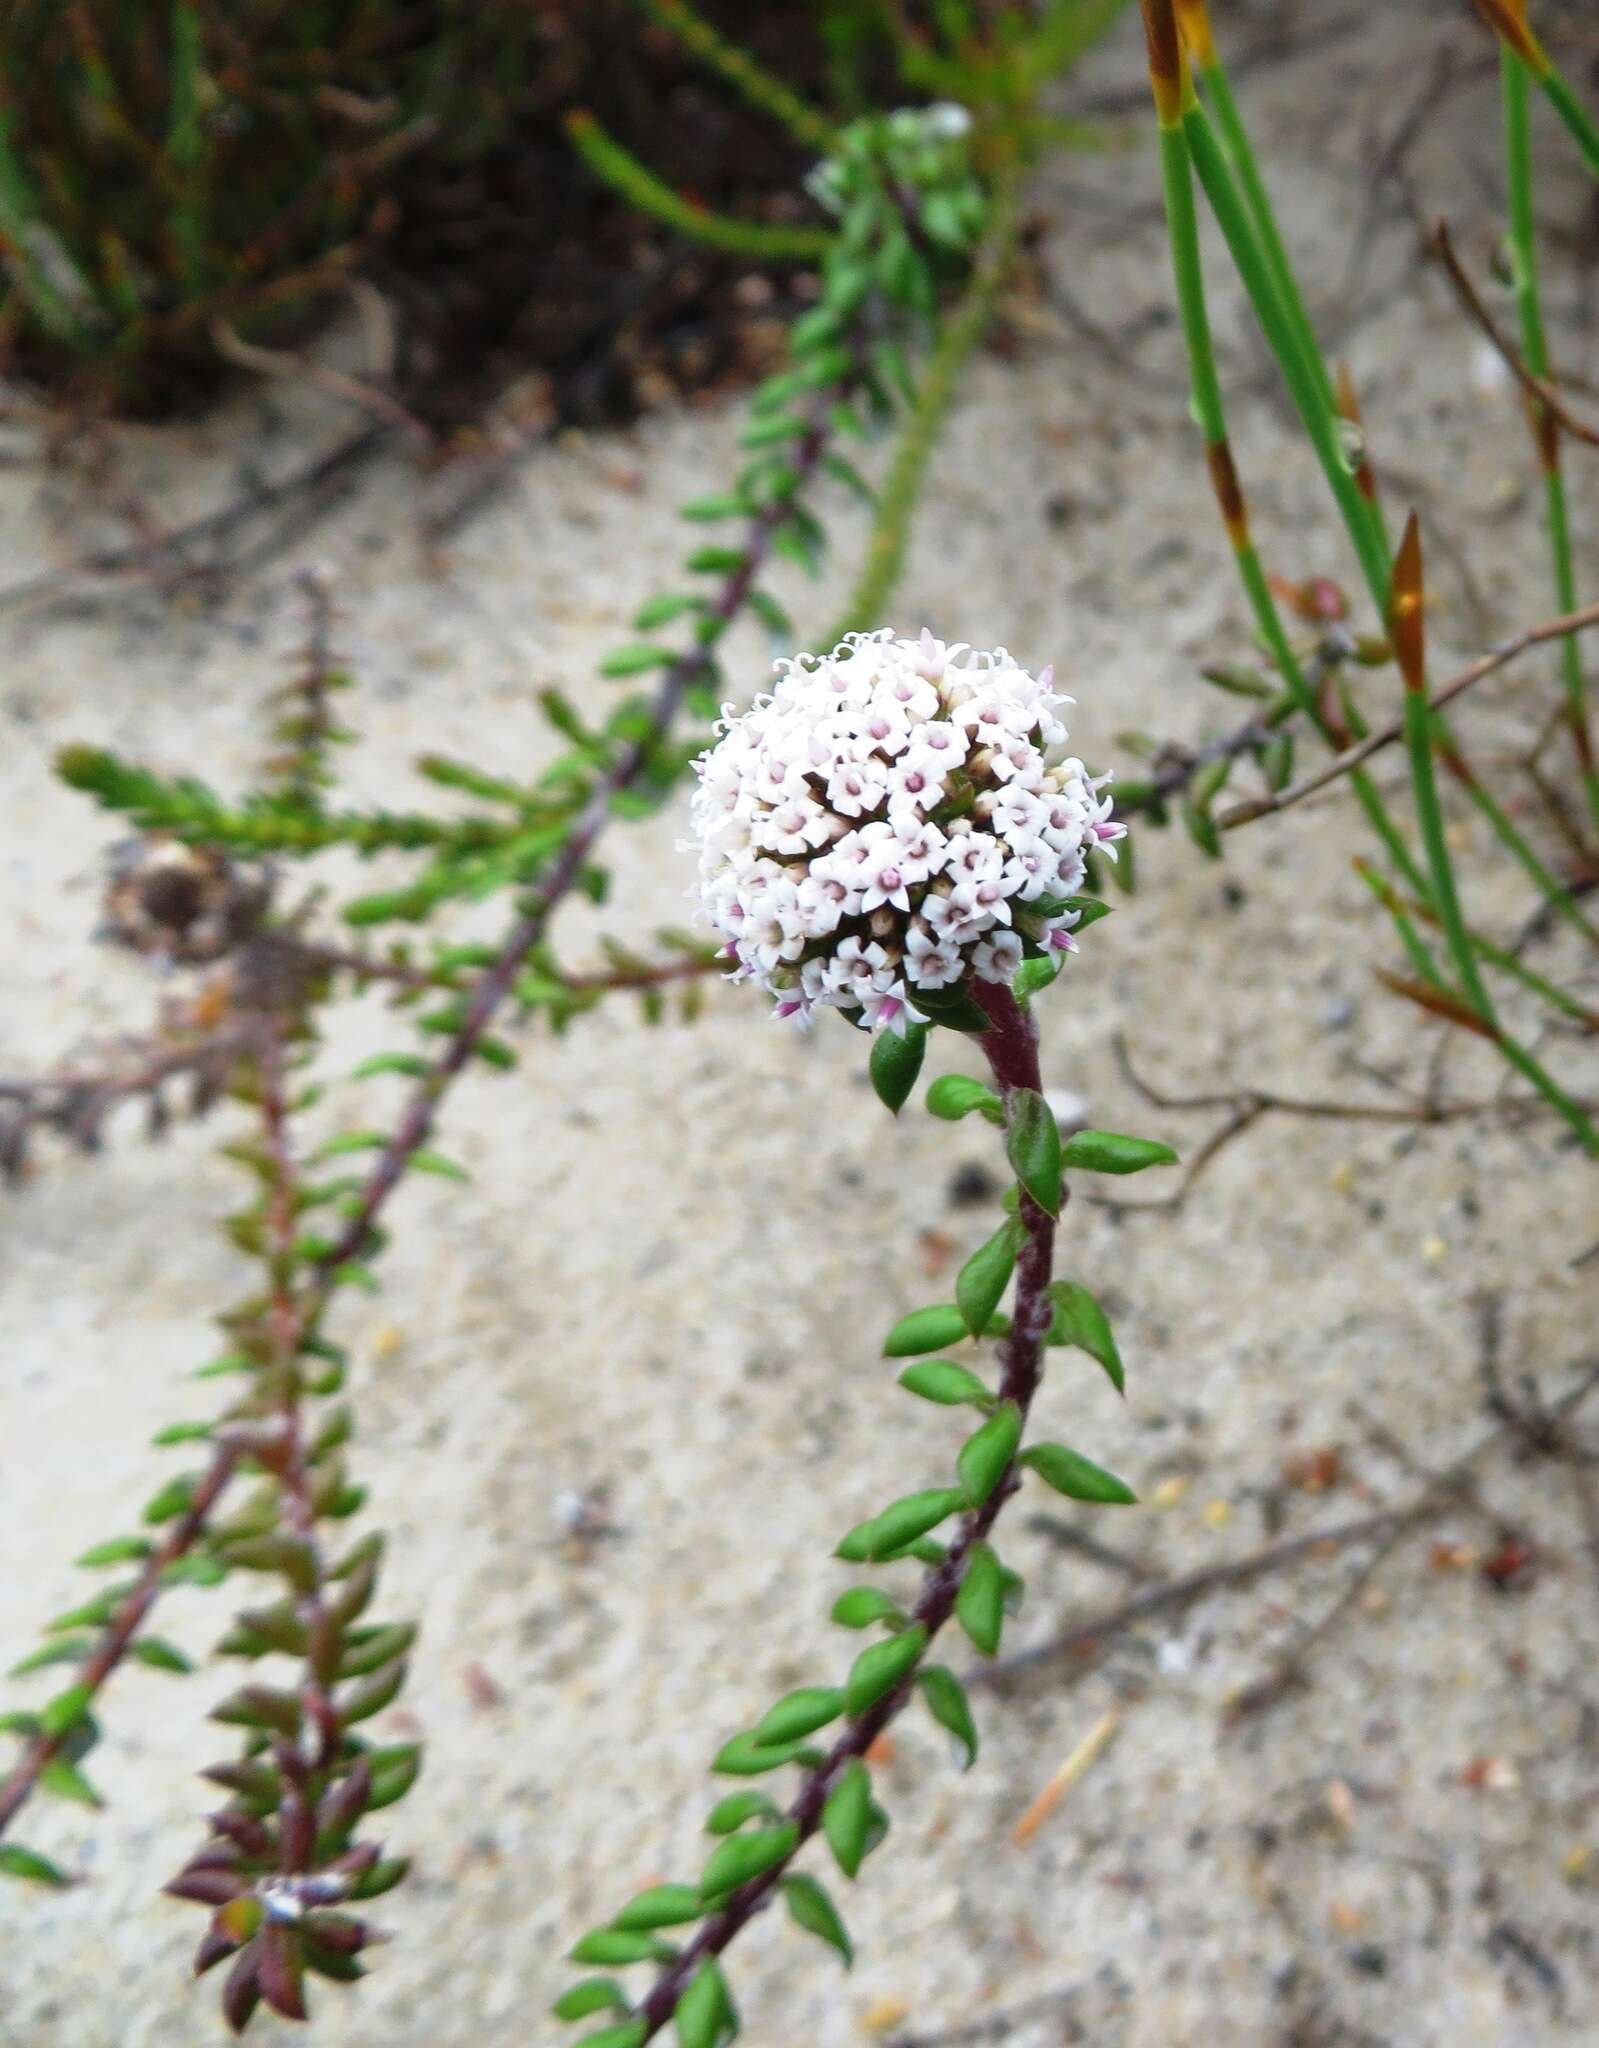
<point x="1032" y="1145"/>
<point x="925" y="1329"/>
<point x="987" y="1452"/>
<point x="1070" y="1473"/>
<point x="983" y="1279"/>
<point x="800" y="1713"/>
<point x="980" y="1603"/>
<point x="1110" y="1152"/>
<point x="881" y="1667"/>
<point x="943" y="1381"/>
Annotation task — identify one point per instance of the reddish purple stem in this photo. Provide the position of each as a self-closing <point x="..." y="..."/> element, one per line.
<point x="1011" y="1045"/>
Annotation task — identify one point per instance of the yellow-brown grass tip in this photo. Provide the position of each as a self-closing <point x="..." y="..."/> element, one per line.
<point x="1193" y="17"/>
<point x="1167" y="72"/>
<point x="1406" y="609"/>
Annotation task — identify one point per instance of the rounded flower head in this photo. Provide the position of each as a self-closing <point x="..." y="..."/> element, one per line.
<point x="893" y="818"/>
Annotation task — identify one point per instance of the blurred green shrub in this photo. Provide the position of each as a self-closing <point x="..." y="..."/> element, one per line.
<point x="169" y="164"/>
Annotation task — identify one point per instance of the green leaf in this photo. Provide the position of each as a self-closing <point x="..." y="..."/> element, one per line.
<point x="800" y="1713"/>
<point x="987" y="1452"/>
<point x="663" y="1905"/>
<point x="182" y="1433"/>
<point x="408" y="1063"/>
<point x="771" y="614"/>
<point x="611" y="1948"/>
<point x="384" y="1875"/>
<point x="900" y="1523"/>
<point x="953" y="1096"/>
<point x="15" y="1861"/>
<point x="744" y="1757"/>
<point x="171" y="1500"/>
<point x="950" y="1385"/>
<point x="1077" y="1477"/>
<point x="924" y="1329"/>
<point x="1032" y="1145"/>
<point x="1109" y="1152"/>
<point x="730" y="1814"/>
<point x="985" y="1276"/>
<point x="747" y="1855"/>
<point x="159" y="1654"/>
<point x="847" y="1816"/>
<point x="68" y="1708"/>
<point x="625" y="2034"/>
<point x="1035" y="974"/>
<point x="63" y="1650"/>
<point x="955" y="1010"/>
<point x="715" y="562"/>
<point x="701" y="2013"/>
<point x="715" y="505"/>
<point x="980" y="1603"/>
<point x="862" y="1605"/>
<point x="435" y="1162"/>
<point x="351" y="1141"/>
<point x="593" y="1994"/>
<point x="1080" y="1320"/>
<point x="895" y="1064"/>
<point x="660" y="611"/>
<point x="66" y="1781"/>
<point x="810" y="1908"/>
<point x="120" y="1550"/>
<point x="882" y="1666"/>
<point x="635" y="660"/>
<point x="947" y="1703"/>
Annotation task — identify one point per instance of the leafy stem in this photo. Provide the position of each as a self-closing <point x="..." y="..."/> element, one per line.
<point x="183" y="1536"/>
<point x="1011" y="1046"/>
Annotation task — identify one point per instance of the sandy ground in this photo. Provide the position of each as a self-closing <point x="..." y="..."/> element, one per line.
<point x="671" y="1277"/>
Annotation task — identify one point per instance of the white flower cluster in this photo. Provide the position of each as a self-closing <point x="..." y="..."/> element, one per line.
<point x="894" y="817"/>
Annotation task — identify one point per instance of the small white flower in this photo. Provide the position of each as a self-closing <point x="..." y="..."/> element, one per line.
<point x="931" y="962"/>
<point x="998" y="958"/>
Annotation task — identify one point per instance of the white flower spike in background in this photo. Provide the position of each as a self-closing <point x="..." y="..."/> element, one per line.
<point x="893" y="818"/>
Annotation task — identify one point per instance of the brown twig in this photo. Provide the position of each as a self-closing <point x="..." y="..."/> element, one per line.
<point x="1247" y="1106"/>
<point x="1384" y="736"/>
<point x="75" y="1101"/>
<point x="1540" y="389"/>
<point x="1173" y="1595"/>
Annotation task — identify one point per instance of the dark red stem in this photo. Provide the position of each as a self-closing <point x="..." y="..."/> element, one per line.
<point x="1011" y="1045"/>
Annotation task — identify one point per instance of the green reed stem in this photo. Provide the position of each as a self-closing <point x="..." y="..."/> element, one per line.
<point x="1235" y="139"/>
<point x="1321" y="424"/>
<point x="1415" y="946"/>
<point x="1574" y="114"/>
<point x="1535" y="352"/>
<point x="1210" y="415"/>
<point x="884" y="556"/>
<point x="1418" y="735"/>
<point x="1318" y="414"/>
<point x="751" y="80"/>
<point x="1558" y="896"/>
<point x="640" y="187"/>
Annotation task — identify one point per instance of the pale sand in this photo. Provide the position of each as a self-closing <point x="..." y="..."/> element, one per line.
<point x="682" y="1247"/>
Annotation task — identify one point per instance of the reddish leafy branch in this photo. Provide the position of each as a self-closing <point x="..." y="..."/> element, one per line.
<point x="490" y="991"/>
<point x="497" y="981"/>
